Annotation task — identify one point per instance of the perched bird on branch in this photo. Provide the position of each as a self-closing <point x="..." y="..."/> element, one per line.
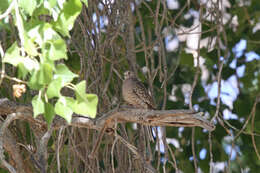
<point x="135" y="94"/>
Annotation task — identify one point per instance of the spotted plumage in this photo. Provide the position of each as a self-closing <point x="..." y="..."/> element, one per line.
<point x="135" y="93"/>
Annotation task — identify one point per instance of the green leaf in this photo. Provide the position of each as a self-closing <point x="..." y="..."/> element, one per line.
<point x="4" y="5"/>
<point x="86" y="103"/>
<point x="38" y="106"/>
<point x="45" y="74"/>
<point x="54" y="88"/>
<point x="62" y="109"/>
<point x="12" y="55"/>
<point x="41" y="32"/>
<point x="30" y="63"/>
<point x="22" y="71"/>
<point x="64" y="73"/>
<point x="85" y="2"/>
<point x="41" y="9"/>
<point x="71" y="102"/>
<point x="67" y="16"/>
<point x="87" y="108"/>
<point x="53" y="7"/>
<point x="186" y="59"/>
<point x="41" y="77"/>
<point x="53" y="46"/>
<point x="28" y="5"/>
<point x="35" y="31"/>
<point x="92" y="105"/>
<point x="49" y="113"/>
<point x="33" y="81"/>
<point x="29" y="46"/>
<point x="55" y="49"/>
<point x="92" y="98"/>
<point x="50" y="4"/>
<point x="48" y="33"/>
<point x="58" y="50"/>
<point x="81" y="91"/>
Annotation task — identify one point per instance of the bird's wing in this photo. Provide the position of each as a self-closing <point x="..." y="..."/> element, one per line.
<point x="143" y="94"/>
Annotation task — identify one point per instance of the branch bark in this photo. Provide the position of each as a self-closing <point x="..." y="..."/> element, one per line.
<point x="176" y="118"/>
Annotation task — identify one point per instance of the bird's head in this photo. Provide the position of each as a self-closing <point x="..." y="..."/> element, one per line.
<point x="129" y="74"/>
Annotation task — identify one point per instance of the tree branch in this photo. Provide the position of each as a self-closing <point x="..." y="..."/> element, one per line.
<point x="177" y="118"/>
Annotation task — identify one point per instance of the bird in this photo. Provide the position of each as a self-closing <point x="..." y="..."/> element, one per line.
<point x="137" y="95"/>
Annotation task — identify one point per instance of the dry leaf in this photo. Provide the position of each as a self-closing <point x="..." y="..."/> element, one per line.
<point x="18" y="90"/>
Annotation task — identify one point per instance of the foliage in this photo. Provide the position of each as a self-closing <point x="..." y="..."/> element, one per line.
<point x="40" y="53"/>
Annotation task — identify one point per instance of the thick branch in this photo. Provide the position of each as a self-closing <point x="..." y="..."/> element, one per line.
<point x="177" y="118"/>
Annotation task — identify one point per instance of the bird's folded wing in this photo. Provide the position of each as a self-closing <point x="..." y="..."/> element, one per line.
<point x="144" y="95"/>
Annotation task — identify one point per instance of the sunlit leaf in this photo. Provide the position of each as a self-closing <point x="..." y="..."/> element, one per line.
<point x="54" y="88"/>
<point x="4" y="5"/>
<point x="57" y="50"/>
<point x="89" y="107"/>
<point x="41" y="77"/>
<point x="86" y="103"/>
<point x="62" y="109"/>
<point x="34" y="31"/>
<point x="38" y="106"/>
<point x="85" y="2"/>
<point x="22" y="71"/>
<point x="49" y="113"/>
<point x="30" y="47"/>
<point x="45" y="74"/>
<point x="80" y="89"/>
<point x="42" y="33"/>
<point x="12" y="55"/>
<point x="65" y="22"/>
<point x="28" y="5"/>
<point x="33" y="81"/>
<point x="64" y="73"/>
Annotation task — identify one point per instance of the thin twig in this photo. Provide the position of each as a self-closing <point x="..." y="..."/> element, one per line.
<point x="3" y="64"/>
<point x="112" y="154"/>
<point x="3" y="75"/>
<point x="173" y="158"/>
<point x="193" y="150"/>
<point x="253" y="126"/>
<point x="58" y="148"/>
<point x="219" y="91"/>
<point x="211" y="163"/>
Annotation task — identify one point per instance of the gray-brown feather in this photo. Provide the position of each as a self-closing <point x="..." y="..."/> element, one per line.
<point x="135" y="93"/>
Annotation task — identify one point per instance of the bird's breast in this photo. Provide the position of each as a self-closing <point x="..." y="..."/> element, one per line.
<point x="127" y="87"/>
<point x="127" y="90"/>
